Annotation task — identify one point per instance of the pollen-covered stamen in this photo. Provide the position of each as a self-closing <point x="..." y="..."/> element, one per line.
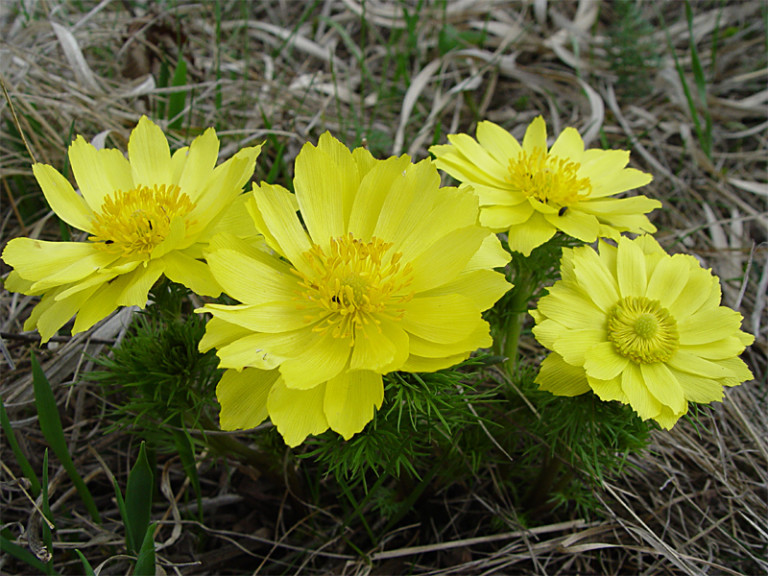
<point x="354" y="284"/>
<point x="642" y="330"/>
<point x="138" y="220"/>
<point x="548" y="179"/>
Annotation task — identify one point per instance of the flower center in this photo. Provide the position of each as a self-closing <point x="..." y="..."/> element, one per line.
<point x="548" y="179"/>
<point x="642" y="330"/>
<point x="138" y="220"/>
<point x="354" y="284"/>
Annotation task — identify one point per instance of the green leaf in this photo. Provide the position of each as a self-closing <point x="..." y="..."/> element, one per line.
<point x="50" y="424"/>
<point x="123" y="514"/>
<point x="186" y="450"/>
<point x="87" y="568"/>
<point x="178" y="99"/>
<point x="145" y="563"/>
<point x="138" y="498"/>
<point x="21" y="459"/>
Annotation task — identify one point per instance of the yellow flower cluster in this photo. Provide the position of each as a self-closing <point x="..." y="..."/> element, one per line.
<point x="372" y="267"/>
<point x="630" y="323"/>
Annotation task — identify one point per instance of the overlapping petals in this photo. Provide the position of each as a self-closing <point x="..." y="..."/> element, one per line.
<point x="380" y="270"/>
<point x="146" y="216"/>
<point x="531" y="192"/>
<point x="634" y="324"/>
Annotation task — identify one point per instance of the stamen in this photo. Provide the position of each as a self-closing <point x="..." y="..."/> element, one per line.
<point x="356" y="284"/>
<point x="138" y="220"/>
<point x="642" y="330"/>
<point x="548" y="179"/>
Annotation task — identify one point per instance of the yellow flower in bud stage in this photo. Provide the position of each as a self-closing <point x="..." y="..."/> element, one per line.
<point x="637" y="325"/>
<point x="531" y="192"/>
<point x="146" y="216"/>
<point x="382" y="271"/>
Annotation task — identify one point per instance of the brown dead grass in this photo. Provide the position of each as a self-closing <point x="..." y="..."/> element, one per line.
<point x="696" y="502"/>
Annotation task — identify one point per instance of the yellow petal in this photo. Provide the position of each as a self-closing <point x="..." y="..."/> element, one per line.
<point x="668" y="280"/>
<point x="99" y="173"/>
<point x="250" y="350"/>
<point x="608" y="390"/>
<point x="595" y="280"/>
<point x="268" y="317"/>
<point x="135" y="286"/>
<point x="324" y="190"/>
<point x="219" y="333"/>
<point x="441" y="319"/>
<point x="421" y="364"/>
<point x="149" y="154"/>
<point x="504" y="217"/>
<point x="439" y="211"/>
<point x="62" y="198"/>
<point x="535" y="135"/>
<point x="243" y="397"/>
<point x="568" y="145"/>
<point x="530" y="234"/>
<point x="490" y="255"/>
<point x="696" y="292"/>
<point x="201" y="158"/>
<point x="248" y="274"/>
<point x="372" y="349"/>
<point x="351" y="399"/>
<point x="410" y="200"/>
<point x="576" y="224"/>
<point x="483" y="287"/>
<point x="374" y="188"/>
<point x="630" y="269"/>
<point x="609" y="184"/>
<point x="479" y="338"/>
<point x="279" y="217"/>
<point x="297" y="413"/>
<point x="494" y="171"/>
<point x="99" y="304"/>
<point x="684" y="361"/>
<point x="49" y="264"/>
<point x="641" y="400"/>
<point x="498" y="142"/>
<point x="661" y="382"/>
<point x="573" y="345"/>
<point x="601" y="361"/>
<point x="571" y="309"/>
<point x="699" y="389"/>
<point x="708" y="325"/>
<point x="322" y="360"/>
<point x="53" y="313"/>
<point x="192" y="273"/>
<point x="560" y="378"/>
<point x="446" y="258"/>
<point x="223" y="187"/>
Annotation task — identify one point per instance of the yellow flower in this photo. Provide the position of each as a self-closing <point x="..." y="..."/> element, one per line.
<point x="531" y="192"/>
<point x="637" y="325"/>
<point x="146" y="216"/>
<point x="382" y="271"/>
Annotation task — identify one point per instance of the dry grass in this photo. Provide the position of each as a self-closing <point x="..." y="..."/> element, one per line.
<point x="696" y="502"/>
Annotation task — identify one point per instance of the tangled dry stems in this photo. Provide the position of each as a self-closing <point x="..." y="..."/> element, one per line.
<point x="697" y="502"/>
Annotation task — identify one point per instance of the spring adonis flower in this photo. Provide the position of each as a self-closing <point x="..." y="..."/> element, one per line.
<point x="382" y="271"/>
<point x="637" y="325"/>
<point x="146" y="216"/>
<point x="531" y="192"/>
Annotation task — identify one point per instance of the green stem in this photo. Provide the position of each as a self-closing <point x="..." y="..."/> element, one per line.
<point x="518" y="307"/>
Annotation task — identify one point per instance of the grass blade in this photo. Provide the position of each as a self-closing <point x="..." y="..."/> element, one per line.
<point x="186" y="450"/>
<point x="138" y="498"/>
<point x="87" y="568"/>
<point x="701" y="84"/>
<point x="21" y="459"/>
<point x="145" y="563"/>
<point x="50" y="424"/>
